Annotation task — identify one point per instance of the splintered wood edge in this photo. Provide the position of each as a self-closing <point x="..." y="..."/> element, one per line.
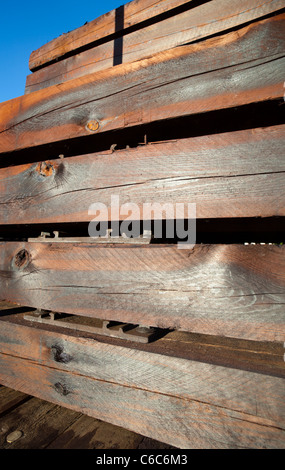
<point x="134" y="13"/>
<point x="101" y="27"/>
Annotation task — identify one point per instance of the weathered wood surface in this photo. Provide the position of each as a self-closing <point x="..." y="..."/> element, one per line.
<point x="154" y="389"/>
<point x="44" y="425"/>
<point x="230" y="290"/>
<point x="145" y="391"/>
<point x="131" y="14"/>
<point x="253" y="356"/>
<point x="90" y="433"/>
<point x="217" y="16"/>
<point x="180" y="422"/>
<point x="195" y="23"/>
<point x="35" y="434"/>
<point x="182" y="81"/>
<point x="236" y="174"/>
<point x="163" y="374"/>
<point x="10" y="398"/>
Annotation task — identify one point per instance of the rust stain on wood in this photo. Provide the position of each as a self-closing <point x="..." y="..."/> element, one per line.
<point x="46" y="168"/>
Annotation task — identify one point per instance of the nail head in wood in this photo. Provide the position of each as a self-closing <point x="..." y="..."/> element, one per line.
<point x="92" y="125"/>
<point x="14" y="436"/>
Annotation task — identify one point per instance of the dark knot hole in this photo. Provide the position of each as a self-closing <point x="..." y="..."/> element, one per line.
<point x="22" y="258"/>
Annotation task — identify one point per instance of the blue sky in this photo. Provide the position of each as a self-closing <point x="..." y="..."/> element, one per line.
<point x="28" y="24"/>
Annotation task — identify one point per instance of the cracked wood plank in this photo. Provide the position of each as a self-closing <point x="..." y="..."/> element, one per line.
<point x="256" y="394"/>
<point x="235" y="174"/>
<point x="178" y="82"/>
<point x="228" y="290"/>
<point x="253" y="356"/>
<point x="194" y="24"/>
<point x="133" y="13"/>
<point x="181" y="422"/>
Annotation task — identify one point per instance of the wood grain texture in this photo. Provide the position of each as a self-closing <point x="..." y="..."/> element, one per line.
<point x="183" y="81"/>
<point x="228" y="290"/>
<point x="38" y="421"/>
<point x="236" y="174"/>
<point x="133" y="12"/>
<point x="10" y="398"/>
<point x="90" y="433"/>
<point x="256" y="394"/>
<point x="204" y="20"/>
<point x="180" y="422"/>
<point x="266" y="358"/>
<point x="48" y="426"/>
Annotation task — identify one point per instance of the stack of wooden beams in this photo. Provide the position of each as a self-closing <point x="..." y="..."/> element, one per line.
<point x="156" y="102"/>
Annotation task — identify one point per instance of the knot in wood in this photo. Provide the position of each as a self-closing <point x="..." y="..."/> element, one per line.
<point x="22" y="258"/>
<point x="59" y="354"/>
<point x="46" y="168"/>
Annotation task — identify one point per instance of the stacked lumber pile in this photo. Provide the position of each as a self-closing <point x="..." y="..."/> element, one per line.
<point x="168" y="102"/>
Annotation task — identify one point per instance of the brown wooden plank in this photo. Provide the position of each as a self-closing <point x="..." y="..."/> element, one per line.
<point x="216" y="172"/>
<point x="254" y="356"/>
<point x="214" y="75"/>
<point x="39" y="422"/>
<point x="45" y="425"/>
<point x="10" y="398"/>
<point x="199" y="21"/>
<point x="180" y="422"/>
<point x="90" y="433"/>
<point x="106" y="25"/>
<point x="230" y="290"/>
<point x="202" y="21"/>
<point x="247" y="392"/>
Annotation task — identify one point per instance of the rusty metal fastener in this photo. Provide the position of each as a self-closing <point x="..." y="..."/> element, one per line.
<point x="92" y="125"/>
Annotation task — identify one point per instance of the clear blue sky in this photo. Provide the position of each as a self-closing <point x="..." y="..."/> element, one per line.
<point x="28" y="24"/>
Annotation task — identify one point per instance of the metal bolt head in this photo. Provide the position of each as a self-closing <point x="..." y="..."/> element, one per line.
<point x="14" y="436"/>
<point x="92" y="125"/>
<point x="144" y="329"/>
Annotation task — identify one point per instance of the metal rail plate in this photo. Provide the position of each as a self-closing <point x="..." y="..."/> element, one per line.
<point x="126" y="331"/>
